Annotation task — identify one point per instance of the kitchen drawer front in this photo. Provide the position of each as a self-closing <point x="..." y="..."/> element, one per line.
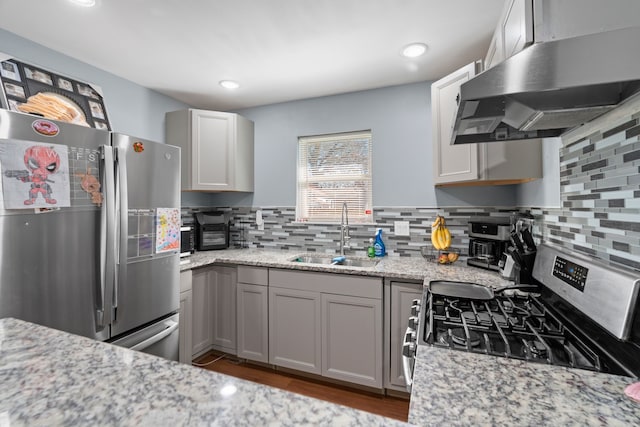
<point x="253" y="275"/>
<point x="340" y="284"/>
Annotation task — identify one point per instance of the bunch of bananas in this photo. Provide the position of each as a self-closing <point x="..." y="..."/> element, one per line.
<point x="440" y="234"/>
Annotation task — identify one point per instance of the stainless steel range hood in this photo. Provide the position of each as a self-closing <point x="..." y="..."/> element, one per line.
<point x="549" y="88"/>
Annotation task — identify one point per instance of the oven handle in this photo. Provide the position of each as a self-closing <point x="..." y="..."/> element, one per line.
<point x="406" y="360"/>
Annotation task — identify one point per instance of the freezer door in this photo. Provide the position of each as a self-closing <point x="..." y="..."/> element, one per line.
<point x="50" y="271"/>
<point x="147" y="214"/>
<point x="160" y="338"/>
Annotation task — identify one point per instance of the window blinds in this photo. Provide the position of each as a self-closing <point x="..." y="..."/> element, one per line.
<point x="333" y="169"/>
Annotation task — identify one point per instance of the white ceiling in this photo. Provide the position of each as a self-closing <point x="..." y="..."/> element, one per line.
<point x="278" y="50"/>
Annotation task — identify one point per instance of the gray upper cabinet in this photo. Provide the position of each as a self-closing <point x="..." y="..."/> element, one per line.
<point x="508" y="162"/>
<point x="513" y="33"/>
<point x="217" y="149"/>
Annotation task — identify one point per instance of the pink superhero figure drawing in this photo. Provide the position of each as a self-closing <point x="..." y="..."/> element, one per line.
<point x="41" y="162"/>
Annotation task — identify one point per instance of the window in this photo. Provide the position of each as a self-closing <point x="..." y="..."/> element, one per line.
<point x="333" y="169"/>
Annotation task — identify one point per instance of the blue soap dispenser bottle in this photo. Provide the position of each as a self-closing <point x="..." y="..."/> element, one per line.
<point x="378" y="246"/>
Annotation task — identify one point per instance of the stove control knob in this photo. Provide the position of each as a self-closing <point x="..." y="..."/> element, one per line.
<point x="413" y="322"/>
<point x="416" y="302"/>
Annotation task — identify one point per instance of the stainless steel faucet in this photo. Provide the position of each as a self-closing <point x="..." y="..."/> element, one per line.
<point x="344" y="229"/>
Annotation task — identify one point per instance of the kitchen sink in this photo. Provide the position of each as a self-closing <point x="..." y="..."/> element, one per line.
<point x="327" y="260"/>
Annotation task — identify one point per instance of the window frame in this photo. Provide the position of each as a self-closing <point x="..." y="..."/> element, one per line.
<point x="360" y="207"/>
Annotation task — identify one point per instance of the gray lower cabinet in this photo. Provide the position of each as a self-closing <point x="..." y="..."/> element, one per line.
<point x="201" y="312"/>
<point x="253" y="313"/>
<point x="295" y="329"/>
<point x="328" y="324"/>
<point x="352" y="339"/>
<point x="186" y="318"/>
<point x="398" y="301"/>
<point x="223" y="281"/>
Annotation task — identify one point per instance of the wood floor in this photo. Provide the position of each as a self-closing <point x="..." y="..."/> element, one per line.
<point x="387" y="406"/>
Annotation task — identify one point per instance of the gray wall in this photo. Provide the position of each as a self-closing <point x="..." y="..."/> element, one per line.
<point x="132" y="109"/>
<point x="544" y="193"/>
<point x="400" y="120"/>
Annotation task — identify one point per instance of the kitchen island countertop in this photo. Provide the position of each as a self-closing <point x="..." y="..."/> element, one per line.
<point x="52" y="378"/>
<point x="456" y="388"/>
<point x="410" y="268"/>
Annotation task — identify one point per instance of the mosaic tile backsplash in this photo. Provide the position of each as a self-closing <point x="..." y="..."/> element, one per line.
<point x="281" y="232"/>
<point x="600" y="191"/>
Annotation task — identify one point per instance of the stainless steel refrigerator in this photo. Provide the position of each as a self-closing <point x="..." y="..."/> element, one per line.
<point x="89" y="229"/>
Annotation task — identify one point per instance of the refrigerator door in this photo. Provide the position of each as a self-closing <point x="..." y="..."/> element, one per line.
<point x="50" y="269"/>
<point x="160" y="339"/>
<point x="148" y="231"/>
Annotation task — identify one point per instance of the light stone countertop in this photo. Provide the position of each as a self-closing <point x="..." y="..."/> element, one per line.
<point x="391" y="267"/>
<point x="456" y="388"/>
<point x="52" y="378"/>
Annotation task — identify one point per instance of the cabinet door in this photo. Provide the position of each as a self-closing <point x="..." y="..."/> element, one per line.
<point x="201" y="312"/>
<point x="517" y="26"/>
<point x="253" y="322"/>
<point x="294" y="329"/>
<point x="352" y="339"/>
<point x="186" y="329"/>
<point x="402" y="295"/>
<point x="451" y="163"/>
<point x="495" y="53"/>
<point x="223" y="302"/>
<point x="213" y="150"/>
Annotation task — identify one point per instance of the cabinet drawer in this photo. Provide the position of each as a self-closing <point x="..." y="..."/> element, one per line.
<point x="253" y="275"/>
<point x="341" y="284"/>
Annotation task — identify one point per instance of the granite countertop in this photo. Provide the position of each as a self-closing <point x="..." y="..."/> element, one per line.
<point x="457" y="388"/>
<point x="52" y="378"/>
<point x="391" y="267"/>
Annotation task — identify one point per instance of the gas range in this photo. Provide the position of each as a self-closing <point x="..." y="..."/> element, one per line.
<point x="515" y="326"/>
<point x="583" y="314"/>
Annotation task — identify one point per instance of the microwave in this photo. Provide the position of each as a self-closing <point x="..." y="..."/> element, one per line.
<point x="187" y="240"/>
<point x="212" y="231"/>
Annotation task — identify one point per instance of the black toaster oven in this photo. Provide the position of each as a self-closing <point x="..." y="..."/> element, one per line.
<point x="212" y="231"/>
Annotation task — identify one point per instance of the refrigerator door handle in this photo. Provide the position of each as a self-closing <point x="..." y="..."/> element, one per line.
<point x="171" y="326"/>
<point x="122" y="207"/>
<point x="107" y="246"/>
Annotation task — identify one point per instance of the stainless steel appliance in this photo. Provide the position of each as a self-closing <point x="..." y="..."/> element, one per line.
<point x="584" y="315"/>
<point x="88" y="241"/>
<point x="187" y="236"/>
<point x="212" y="230"/>
<point x="549" y="87"/>
<point x="489" y="240"/>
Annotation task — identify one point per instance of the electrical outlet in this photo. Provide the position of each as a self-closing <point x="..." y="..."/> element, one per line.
<point x="401" y="228"/>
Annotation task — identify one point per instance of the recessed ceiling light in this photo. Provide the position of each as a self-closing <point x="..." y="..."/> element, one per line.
<point x="414" y="50"/>
<point x="229" y="84"/>
<point x="85" y="3"/>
